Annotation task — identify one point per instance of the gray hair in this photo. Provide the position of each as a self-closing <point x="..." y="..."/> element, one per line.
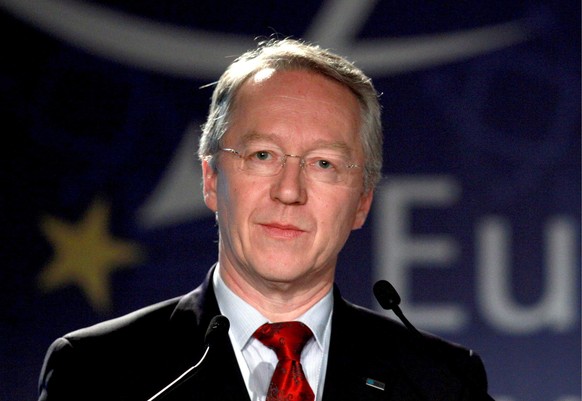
<point x="290" y="54"/>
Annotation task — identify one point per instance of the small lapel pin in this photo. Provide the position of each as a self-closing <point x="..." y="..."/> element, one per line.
<point x="375" y="383"/>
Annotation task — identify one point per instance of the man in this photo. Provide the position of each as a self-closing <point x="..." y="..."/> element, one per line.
<point x="291" y="153"/>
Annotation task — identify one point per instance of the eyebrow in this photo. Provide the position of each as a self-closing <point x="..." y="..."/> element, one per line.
<point x="319" y="144"/>
<point x="256" y="136"/>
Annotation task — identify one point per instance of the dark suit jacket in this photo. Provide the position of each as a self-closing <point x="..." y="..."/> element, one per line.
<point x="133" y="357"/>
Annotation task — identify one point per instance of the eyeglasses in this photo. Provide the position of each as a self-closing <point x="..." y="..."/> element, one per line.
<point x="319" y="166"/>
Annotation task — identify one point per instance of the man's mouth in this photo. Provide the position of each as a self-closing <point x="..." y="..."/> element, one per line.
<point x="283" y="231"/>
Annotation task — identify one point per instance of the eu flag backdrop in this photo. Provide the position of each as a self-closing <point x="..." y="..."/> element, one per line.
<point x="476" y="221"/>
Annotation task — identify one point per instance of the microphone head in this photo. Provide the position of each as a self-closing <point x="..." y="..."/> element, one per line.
<point x="217" y="328"/>
<point x="386" y="295"/>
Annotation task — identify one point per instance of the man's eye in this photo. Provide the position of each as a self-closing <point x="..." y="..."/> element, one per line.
<point x="261" y="155"/>
<point x="324" y="164"/>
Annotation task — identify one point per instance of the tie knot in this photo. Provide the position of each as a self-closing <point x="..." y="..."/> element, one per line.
<point x="287" y="339"/>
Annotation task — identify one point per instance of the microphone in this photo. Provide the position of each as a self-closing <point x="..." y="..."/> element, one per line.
<point x="389" y="299"/>
<point x="217" y="328"/>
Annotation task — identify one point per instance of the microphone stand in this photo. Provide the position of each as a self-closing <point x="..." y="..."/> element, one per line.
<point x="218" y="327"/>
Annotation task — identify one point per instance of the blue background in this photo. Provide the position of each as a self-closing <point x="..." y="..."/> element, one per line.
<point x="482" y="162"/>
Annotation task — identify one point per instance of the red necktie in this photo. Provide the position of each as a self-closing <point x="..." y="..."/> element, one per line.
<point x="287" y="339"/>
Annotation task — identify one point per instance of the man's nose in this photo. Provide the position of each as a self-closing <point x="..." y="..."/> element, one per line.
<point x="289" y="184"/>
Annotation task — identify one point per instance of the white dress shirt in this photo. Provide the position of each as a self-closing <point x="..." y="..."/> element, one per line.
<point x="256" y="361"/>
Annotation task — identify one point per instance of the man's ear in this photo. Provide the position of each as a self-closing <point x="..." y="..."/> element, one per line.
<point x="209" y="186"/>
<point x="363" y="209"/>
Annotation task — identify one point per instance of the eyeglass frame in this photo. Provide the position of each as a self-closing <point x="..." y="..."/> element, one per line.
<point x="282" y="158"/>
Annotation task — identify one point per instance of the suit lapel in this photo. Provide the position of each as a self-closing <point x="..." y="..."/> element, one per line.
<point x="354" y="370"/>
<point x="382" y="362"/>
<point x="220" y="378"/>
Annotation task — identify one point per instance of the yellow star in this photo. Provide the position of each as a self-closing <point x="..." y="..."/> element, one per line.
<point x="85" y="254"/>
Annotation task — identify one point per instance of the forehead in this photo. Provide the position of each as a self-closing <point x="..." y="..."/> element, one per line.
<point x="298" y="82"/>
<point x="297" y="105"/>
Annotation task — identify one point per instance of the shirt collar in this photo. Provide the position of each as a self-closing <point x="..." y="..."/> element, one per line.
<point x="245" y="320"/>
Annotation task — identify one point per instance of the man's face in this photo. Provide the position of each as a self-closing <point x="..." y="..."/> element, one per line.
<point x="287" y="229"/>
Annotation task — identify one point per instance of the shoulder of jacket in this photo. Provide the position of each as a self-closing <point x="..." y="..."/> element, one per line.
<point x="135" y="320"/>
